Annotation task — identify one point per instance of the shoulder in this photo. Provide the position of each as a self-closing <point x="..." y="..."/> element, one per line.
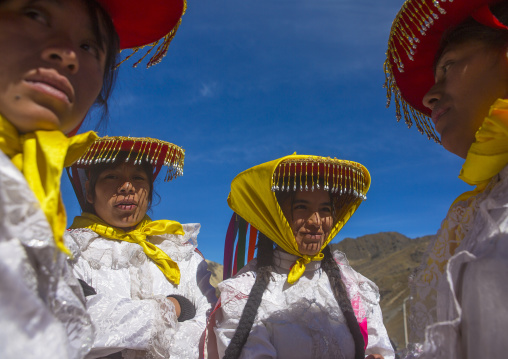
<point x="189" y="238"/>
<point x="80" y="238"/>
<point x="499" y="194"/>
<point x="180" y="247"/>
<point x="240" y="285"/>
<point x="361" y="290"/>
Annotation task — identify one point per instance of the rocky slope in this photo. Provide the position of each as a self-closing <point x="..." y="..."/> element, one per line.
<point x="387" y="259"/>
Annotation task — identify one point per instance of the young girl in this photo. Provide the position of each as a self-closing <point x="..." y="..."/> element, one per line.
<point x="57" y="60"/>
<point x="299" y="300"/>
<point x="449" y="61"/>
<point x="146" y="282"/>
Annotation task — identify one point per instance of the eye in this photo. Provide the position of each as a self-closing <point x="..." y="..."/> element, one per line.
<point x="446" y="66"/>
<point x="299" y="207"/>
<point x="326" y="210"/>
<point x="37" y="15"/>
<point x="92" y="48"/>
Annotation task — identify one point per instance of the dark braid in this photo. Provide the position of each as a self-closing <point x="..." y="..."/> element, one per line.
<point x="339" y="291"/>
<point x="264" y="269"/>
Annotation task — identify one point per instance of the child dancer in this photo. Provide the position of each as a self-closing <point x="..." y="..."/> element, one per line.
<point x="147" y="283"/>
<point x="297" y="299"/>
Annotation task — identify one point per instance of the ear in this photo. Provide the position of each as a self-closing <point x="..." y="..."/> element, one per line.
<point x="88" y="195"/>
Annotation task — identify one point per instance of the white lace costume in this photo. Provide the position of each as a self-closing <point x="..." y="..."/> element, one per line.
<point x="302" y="320"/>
<point x="468" y="300"/>
<point x="42" y="312"/>
<point x="130" y="311"/>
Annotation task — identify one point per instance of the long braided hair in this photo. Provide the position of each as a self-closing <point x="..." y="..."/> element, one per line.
<point x="264" y="267"/>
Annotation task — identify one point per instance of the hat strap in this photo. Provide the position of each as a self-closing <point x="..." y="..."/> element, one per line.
<point x="485" y="17"/>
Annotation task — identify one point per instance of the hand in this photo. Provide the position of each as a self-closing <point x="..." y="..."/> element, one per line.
<point x="374" y="356"/>
<point x="177" y="307"/>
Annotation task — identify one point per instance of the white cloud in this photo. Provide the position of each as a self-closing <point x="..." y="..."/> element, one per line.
<point x="208" y="89"/>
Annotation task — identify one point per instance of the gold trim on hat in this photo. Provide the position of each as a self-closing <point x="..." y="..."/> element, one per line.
<point x="412" y="22"/>
<point x="334" y="175"/>
<point x="106" y="150"/>
<point x="162" y="46"/>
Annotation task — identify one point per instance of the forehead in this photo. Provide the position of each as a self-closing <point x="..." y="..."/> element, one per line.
<point x="317" y="196"/>
<point x="464" y="47"/>
<point x="125" y="167"/>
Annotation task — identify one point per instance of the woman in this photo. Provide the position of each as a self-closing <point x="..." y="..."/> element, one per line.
<point x="457" y="73"/>
<point x="147" y="283"/>
<point x="58" y="59"/>
<point x="299" y="300"/>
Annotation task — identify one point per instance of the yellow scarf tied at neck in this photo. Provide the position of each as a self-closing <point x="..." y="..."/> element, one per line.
<point x="41" y="157"/>
<point x="488" y="155"/>
<point x="145" y="228"/>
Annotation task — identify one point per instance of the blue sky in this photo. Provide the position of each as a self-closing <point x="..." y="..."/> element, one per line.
<point x="248" y="81"/>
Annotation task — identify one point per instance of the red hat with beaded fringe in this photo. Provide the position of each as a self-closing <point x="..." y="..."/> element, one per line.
<point x="136" y="150"/>
<point x="151" y="23"/>
<point x="415" y="38"/>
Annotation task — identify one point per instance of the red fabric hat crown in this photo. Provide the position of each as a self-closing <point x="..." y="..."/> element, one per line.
<point x="142" y="23"/>
<point x="414" y="40"/>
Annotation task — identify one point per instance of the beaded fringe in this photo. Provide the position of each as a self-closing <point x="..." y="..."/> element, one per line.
<point x="333" y="175"/>
<point x="106" y="150"/>
<point x="162" y="47"/>
<point x="412" y="21"/>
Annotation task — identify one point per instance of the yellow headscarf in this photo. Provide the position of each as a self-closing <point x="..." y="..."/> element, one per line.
<point x="145" y="228"/>
<point x="252" y="198"/>
<point x="41" y="157"/>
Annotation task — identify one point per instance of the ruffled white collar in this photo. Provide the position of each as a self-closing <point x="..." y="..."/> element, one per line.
<point x="285" y="261"/>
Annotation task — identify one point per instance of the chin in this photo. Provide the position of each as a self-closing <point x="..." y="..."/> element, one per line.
<point x="310" y="249"/>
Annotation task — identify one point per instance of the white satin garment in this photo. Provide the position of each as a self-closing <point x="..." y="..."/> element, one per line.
<point x="42" y="310"/>
<point x="302" y="320"/>
<point x="471" y="309"/>
<point x="130" y="311"/>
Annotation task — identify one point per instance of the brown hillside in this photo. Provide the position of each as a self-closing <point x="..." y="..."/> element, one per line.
<point x="387" y="259"/>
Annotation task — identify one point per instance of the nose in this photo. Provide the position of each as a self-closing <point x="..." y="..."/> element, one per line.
<point x="63" y="56"/>
<point x="314" y="220"/>
<point x="432" y="97"/>
<point x="126" y="187"/>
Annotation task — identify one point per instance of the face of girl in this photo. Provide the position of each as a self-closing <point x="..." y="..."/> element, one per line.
<point x="469" y="77"/>
<point x="51" y="68"/>
<point x="121" y="195"/>
<point x="310" y="218"/>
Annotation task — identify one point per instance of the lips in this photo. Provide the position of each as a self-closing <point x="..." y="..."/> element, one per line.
<point x="437" y="113"/>
<point x="313" y="236"/>
<point x="51" y="82"/>
<point x="126" y="205"/>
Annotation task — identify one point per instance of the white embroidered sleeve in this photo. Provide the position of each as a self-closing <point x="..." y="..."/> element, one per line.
<point x="188" y="335"/>
<point x="145" y="325"/>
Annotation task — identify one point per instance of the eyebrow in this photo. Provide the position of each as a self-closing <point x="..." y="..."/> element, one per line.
<point x="56" y="2"/>
<point x="307" y="202"/>
<point x="97" y="33"/>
